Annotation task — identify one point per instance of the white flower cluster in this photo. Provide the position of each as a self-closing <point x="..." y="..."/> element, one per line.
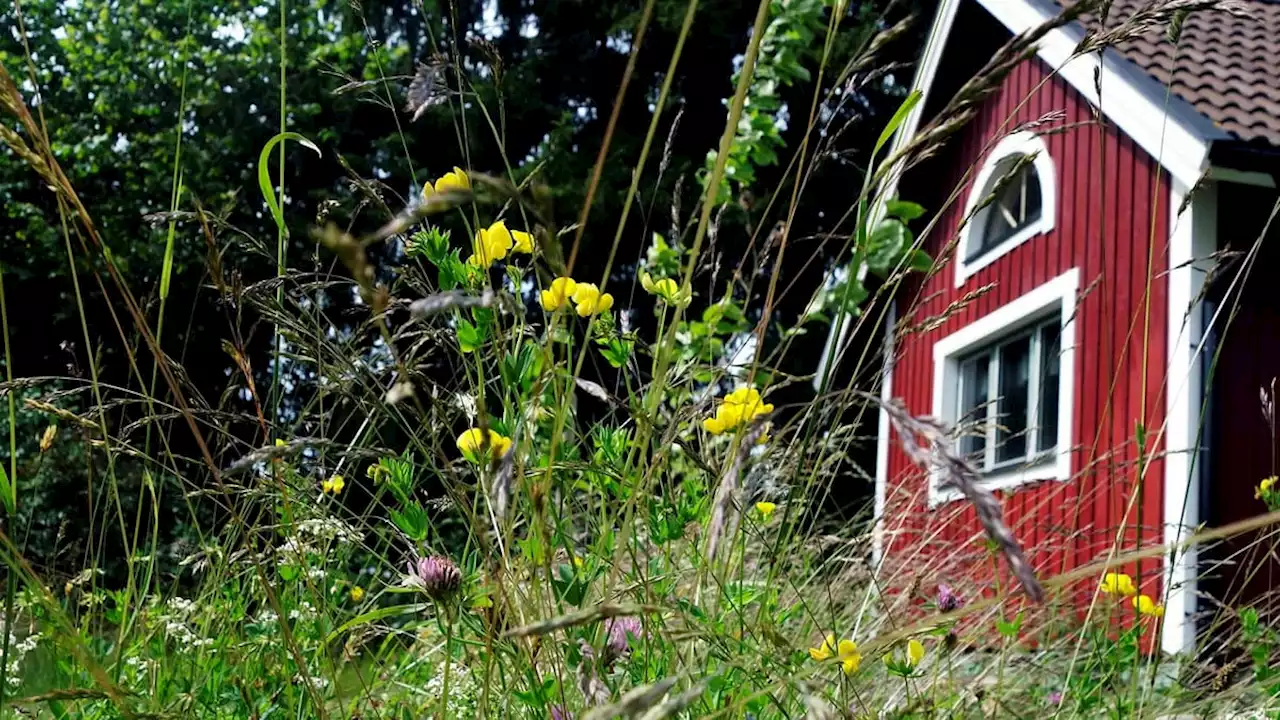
<point x="462" y="689"/>
<point x="18" y="650"/>
<point x="328" y="529"/>
<point x="177" y="610"/>
<point x="304" y="611"/>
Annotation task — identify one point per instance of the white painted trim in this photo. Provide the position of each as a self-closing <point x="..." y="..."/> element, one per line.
<point x="1192" y="240"/>
<point x="1058" y="294"/>
<point x="1011" y="146"/>
<point x="882" y="439"/>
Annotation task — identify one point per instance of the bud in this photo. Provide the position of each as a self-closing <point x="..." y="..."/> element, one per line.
<point x="948" y="600"/>
<point x="436" y="575"/>
<point x="46" y="440"/>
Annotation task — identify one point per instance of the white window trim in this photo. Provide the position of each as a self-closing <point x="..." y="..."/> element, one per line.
<point x="1019" y="143"/>
<point x="1037" y="305"/>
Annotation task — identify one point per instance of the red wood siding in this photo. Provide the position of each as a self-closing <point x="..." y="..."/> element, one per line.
<point x="1112" y="224"/>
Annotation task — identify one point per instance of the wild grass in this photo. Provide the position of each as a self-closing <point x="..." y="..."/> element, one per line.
<point x="487" y="495"/>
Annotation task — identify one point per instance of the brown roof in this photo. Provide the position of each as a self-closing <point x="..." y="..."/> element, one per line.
<point x="1227" y="66"/>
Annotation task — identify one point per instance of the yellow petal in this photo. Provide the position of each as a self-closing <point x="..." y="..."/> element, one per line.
<point x="915" y="651"/>
<point x="765" y="509"/>
<point x="551" y="301"/>
<point x="847" y="648"/>
<point x="850" y="664"/>
<point x="523" y="242"/>
<point x="713" y="425"/>
<point x="456" y="180"/>
<point x="825" y="650"/>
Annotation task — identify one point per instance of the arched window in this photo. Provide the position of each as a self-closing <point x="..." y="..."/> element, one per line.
<point x="1011" y="202"/>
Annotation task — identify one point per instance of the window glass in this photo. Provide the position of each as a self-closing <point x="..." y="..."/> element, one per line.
<point x="1050" y="361"/>
<point x="1017" y="204"/>
<point x="1015" y="383"/>
<point x="974" y="381"/>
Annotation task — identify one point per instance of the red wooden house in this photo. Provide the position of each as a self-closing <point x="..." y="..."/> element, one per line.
<point x="1070" y="328"/>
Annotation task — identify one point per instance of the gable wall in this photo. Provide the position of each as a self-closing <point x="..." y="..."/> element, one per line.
<point x="1112" y="224"/>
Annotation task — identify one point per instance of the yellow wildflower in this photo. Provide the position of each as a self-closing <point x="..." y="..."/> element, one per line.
<point x="333" y="485"/>
<point x="561" y="290"/>
<point x="523" y="242"/>
<point x="46" y="440"/>
<point x="825" y="650"/>
<point x="590" y="300"/>
<point x="1118" y="584"/>
<point x="915" y="652"/>
<point x="666" y="288"/>
<point x="491" y="245"/>
<point x="765" y="509"/>
<point x="1146" y="606"/>
<point x="736" y="409"/>
<point x="846" y="651"/>
<point x="1265" y="487"/>
<point x="280" y="442"/>
<point x="357" y="593"/>
<point x="577" y="562"/>
<point x="451" y="181"/>
<point x="473" y="443"/>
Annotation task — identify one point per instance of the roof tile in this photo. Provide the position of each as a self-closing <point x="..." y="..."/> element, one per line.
<point x="1226" y="65"/>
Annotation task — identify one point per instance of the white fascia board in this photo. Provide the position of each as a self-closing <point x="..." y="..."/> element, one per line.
<point x="1192" y="241"/>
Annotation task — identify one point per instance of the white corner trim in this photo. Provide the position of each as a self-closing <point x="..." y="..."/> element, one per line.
<point x="1058" y="294"/>
<point x="1192" y="240"/>
<point x="1013" y="145"/>
<point x="882" y="440"/>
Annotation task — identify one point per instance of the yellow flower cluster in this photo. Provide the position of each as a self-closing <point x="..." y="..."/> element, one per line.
<point x="666" y="289"/>
<point x="496" y="241"/>
<point x="1265" y="488"/>
<point x="475" y="442"/>
<point x="586" y="297"/>
<point x="357" y="593"/>
<point x="333" y="485"/>
<point x="1118" y="584"/>
<point x="738" y="408"/>
<point x="766" y="510"/>
<point x="1146" y="606"/>
<point x="846" y="651"/>
<point x="1121" y="585"/>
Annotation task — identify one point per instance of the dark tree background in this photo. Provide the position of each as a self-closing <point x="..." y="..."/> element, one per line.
<point x="109" y="78"/>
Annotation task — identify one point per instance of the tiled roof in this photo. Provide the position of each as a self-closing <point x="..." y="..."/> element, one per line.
<point x="1226" y="65"/>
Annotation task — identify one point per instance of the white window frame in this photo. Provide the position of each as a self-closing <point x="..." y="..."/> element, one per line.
<point x="1016" y="144"/>
<point x="1056" y="297"/>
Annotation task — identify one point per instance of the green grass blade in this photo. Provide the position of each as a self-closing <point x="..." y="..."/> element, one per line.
<point x="264" y="174"/>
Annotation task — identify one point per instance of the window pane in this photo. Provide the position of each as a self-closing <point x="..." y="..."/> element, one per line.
<point x="1050" y="361"/>
<point x="1015" y="206"/>
<point x="1015" y="371"/>
<point x="974" y="377"/>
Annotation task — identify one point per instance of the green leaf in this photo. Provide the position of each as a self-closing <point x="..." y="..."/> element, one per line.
<point x="904" y="210"/>
<point x="1009" y="628"/>
<point x="412" y="521"/>
<point x="374" y="616"/>
<point x="616" y="352"/>
<point x="919" y="260"/>
<point x="166" y="268"/>
<point x="470" y="337"/>
<point x="264" y="173"/>
<point x="6" y="491"/>
<point x="886" y="245"/>
<point x="894" y="122"/>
